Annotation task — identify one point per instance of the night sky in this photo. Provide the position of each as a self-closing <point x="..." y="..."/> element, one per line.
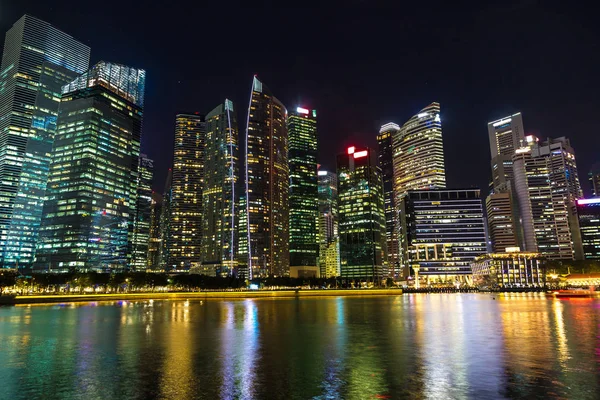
<point x="358" y="66"/>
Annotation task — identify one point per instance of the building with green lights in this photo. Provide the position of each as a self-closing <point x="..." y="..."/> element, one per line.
<point x="143" y="215"/>
<point x="264" y="201"/>
<point x="361" y="216"/>
<point x="184" y="240"/>
<point x="38" y="60"/>
<point x="327" y="223"/>
<point x="304" y="205"/>
<point x="93" y="184"/>
<point x="219" y="203"/>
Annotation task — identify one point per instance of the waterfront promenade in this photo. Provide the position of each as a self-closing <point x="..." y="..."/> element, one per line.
<point x="201" y="295"/>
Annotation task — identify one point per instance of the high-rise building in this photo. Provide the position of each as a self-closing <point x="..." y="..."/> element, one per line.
<point x="445" y="232"/>
<point x="594" y="178"/>
<point x="546" y="188"/>
<point x="185" y="218"/>
<point x="164" y="222"/>
<point x="304" y="203"/>
<point x="361" y="216"/>
<point x="505" y="136"/>
<point x="386" y="163"/>
<point x="327" y="222"/>
<point x="93" y="184"/>
<point x="419" y="153"/>
<point x="588" y="211"/>
<point x="38" y="60"/>
<point x="143" y="214"/>
<point x="155" y="241"/>
<point x="264" y="217"/>
<point x="220" y="211"/>
<point x="501" y="219"/>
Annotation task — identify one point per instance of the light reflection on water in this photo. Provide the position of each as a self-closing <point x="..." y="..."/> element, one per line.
<point x="413" y="346"/>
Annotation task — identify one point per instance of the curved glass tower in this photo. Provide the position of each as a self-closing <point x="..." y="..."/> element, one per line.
<point x="264" y="221"/>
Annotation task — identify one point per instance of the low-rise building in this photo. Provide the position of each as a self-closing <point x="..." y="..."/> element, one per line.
<point x="510" y="269"/>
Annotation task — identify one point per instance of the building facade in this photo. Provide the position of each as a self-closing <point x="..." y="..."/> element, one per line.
<point x="264" y="205"/>
<point x="588" y="211"/>
<point x="38" y="60"/>
<point x="143" y="215"/>
<point x="93" y="185"/>
<point x="304" y="202"/>
<point x="501" y="220"/>
<point x="327" y="222"/>
<point x="546" y="188"/>
<point x="386" y="163"/>
<point x="509" y="270"/>
<point x="219" y="198"/>
<point x="505" y="136"/>
<point x="185" y="219"/>
<point x="155" y="240"/>
<point x="445" y="232"/>
<point x="361" y="216"/>
<point x="594" y="179"/>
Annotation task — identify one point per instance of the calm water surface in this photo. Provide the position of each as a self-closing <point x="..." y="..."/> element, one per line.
<point x="420" y="346"/>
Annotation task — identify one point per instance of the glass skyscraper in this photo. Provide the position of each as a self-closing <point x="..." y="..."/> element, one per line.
<point x="143" y="215"/>
<point x="304" y="206"/>
<point x="219" y="198"/>
<point x="505" y="136"/>
<point x="93" y="185"/>
<point x="386" y="163"/>
<point x="264" y="204"/>
<point x="588" y="211"/>
<point x="38" y="60"/>
<point x="361" y="216"/>
<point x="328" y="235"/>
<point x="184" y="242"/>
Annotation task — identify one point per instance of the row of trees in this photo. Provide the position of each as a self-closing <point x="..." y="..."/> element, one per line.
<point x="149" y="281"/>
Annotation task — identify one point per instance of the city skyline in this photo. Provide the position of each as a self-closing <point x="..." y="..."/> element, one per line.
<point x="470" y="96"/>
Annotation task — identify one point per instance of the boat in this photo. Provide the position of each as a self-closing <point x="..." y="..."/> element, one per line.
<point x="573" y="293"/>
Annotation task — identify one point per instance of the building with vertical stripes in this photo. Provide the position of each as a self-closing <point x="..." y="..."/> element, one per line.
<point x="38" y="60"/>
<point x="219" y="196"/>
<point x="327" y="223"/>
<point x="140" y="240"/>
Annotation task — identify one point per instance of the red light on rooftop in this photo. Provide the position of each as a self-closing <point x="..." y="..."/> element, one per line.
<point x="351" y="150"/>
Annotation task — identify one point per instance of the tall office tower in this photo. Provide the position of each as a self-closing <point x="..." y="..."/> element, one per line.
<point x="219" y="205"/>
<point x="93" y="184"/>
<point x="588" y="211"/>
<point x="141" y="224"/>
<point x="361" y="216"/>
<point x="264" y="217"/>
<point x="594" y="178"/>
<point x="155" y="242"/>
<point x="386" y="163"/>
<point x="546" y="187"/>
<point x="185" y="219"/>
<point x="419" y="153"/>
<point x="327" y="222"/>
<point x="38" y="60"/>
<point x="304" y="202"/>
<point x="445" y="231"/>
<point x="500" y="216"/>
<point x="165" y="223"/>
<point x="505" y="135"/>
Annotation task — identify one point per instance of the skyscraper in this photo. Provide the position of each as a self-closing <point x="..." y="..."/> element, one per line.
<point x="327" y="222"/>
<point x="419" y="153"/>
<point x="143" y="214"/>
<point x="546" y="188"/>
<point x="155" y="241"/>
<point x="38" y="60"/>
<point x="361" y="216"/>
<point x="386" y="163"/>
<point x="500" y="216"/>
<point x="304" y="203"/>
<point x="505" y="136"/>
<point x="594" y="178"/>
<point x="219" y="204"/>
<point x="264" y="220"/>
<point x="588" y="211"/>
<point x="445" y="232"/>
<point x="185" y="219"/>
<point x="93" y="184"/>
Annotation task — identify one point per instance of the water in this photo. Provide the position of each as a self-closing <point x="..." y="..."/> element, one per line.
<point x="451" y="346"/>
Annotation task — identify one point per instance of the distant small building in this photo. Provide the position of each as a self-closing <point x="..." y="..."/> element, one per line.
<point x="510" y="269"/>
<point x="583" y="279"/>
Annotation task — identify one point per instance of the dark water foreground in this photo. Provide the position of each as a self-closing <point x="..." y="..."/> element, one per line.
<point x="437" y="346"/>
